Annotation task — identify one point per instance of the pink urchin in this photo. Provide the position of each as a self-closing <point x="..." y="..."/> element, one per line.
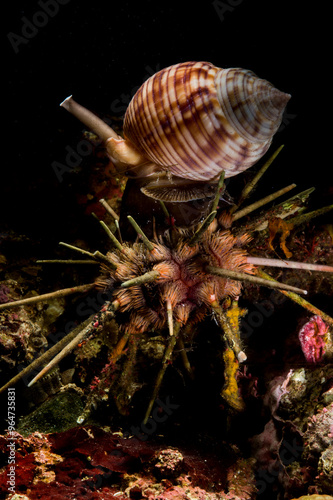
<point x="313" y="339"/>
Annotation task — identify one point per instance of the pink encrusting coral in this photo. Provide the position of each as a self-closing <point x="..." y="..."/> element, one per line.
<point x="313" y="339"/>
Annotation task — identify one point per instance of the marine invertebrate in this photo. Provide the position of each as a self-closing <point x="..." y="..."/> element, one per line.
<point x="313" y="339"/>
<point x="188" y="123"/>
<point x="167" y="282"/>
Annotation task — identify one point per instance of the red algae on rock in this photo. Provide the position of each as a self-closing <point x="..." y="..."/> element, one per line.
<point x="89" y="462"/>
<point x="168" y="463"/>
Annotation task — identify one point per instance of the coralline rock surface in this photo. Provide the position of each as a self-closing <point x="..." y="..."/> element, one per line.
<point x="91" y="463"/>
<point x="295" y="450"/>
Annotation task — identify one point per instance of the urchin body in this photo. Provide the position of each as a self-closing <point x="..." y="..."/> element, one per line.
<point x="182" y="283"/>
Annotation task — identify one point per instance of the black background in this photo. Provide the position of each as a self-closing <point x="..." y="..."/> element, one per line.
<point x="101" y="51"/>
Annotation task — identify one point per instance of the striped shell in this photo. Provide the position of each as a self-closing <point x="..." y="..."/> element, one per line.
<point x="195" y="120"/>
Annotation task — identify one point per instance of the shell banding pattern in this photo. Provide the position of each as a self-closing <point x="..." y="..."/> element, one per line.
<point x="194" y="119"/>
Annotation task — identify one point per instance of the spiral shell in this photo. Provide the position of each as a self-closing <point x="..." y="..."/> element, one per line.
<point x="194" y="120"/>
<point x="188" y="123"/>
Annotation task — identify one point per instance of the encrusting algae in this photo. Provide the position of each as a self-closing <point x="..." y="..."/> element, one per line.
<point x="230" y="391"/>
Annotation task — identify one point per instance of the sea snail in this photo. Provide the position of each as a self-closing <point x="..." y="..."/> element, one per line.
<point x="188" y="123"/>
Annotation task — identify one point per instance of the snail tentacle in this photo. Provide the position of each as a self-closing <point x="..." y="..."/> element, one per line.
<point x="121" y="153"/>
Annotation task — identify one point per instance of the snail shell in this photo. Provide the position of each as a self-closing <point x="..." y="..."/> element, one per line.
<point x="195" y="119"/>
<point x="189" y="122"/>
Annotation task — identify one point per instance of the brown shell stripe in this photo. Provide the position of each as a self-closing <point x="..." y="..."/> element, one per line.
<point x="159" y="125"/>
<point x="177" y="137"/>
<point x="207" y="126"/>
<point x="188" y="140"/>
<point x="200" y="119"/>
<point x="140" y="124"/>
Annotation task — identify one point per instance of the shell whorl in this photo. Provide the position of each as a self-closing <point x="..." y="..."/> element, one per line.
<point x="252" y="105"/>
<point x="195" y="120"/>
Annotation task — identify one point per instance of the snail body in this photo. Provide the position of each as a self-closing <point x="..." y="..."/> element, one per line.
<point x="188" y="123"/>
